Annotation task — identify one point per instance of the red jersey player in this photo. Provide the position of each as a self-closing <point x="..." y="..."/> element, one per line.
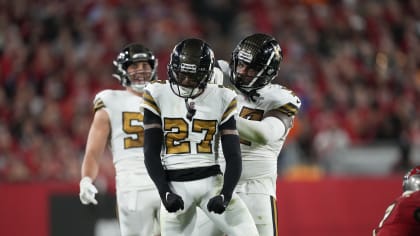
<point x="402" y="217"/>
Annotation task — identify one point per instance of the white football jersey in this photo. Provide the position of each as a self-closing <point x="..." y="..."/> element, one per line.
<point x="190" y="143"/>
<point x="126" y="138"/>
<point x="261" y="160"/>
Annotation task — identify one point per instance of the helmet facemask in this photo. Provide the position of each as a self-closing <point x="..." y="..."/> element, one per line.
<point x="195" y="85"/>
<point x="139" y="78"/>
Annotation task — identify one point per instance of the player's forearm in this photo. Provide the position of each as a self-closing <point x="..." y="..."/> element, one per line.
<point x="152" y="147"/>
<point x="262" y="132"/>
<point x="90" y="167"/>
<point x="232" y="152"/>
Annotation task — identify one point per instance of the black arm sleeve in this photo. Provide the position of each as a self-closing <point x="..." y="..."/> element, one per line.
<point x="229" y="124"/>
<point x="150" y="118"/>
<point x="153" y="139"/>
<point x="232" y="152"/>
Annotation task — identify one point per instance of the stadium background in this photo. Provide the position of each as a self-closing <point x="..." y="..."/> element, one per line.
<point x="354" y="63"/>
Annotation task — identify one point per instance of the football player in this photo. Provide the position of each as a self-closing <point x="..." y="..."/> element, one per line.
<point x="119" y="123"/>
<point x="402" y="217"/>
<point x="265" y="116"/>
<point x="184" y="117"/>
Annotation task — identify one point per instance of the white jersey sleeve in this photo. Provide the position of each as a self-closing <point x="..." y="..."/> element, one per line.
<point x="190" y="143"/>
<point x="277" y="97"/>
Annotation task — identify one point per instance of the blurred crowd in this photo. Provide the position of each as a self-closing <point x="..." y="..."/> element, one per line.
<point x="354" y="63"/>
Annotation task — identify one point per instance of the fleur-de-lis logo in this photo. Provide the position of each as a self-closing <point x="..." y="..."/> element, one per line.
<point x="277" y="51"/>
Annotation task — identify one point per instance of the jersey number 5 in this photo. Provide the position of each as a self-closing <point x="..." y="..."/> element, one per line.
<point x="131" y="125"/>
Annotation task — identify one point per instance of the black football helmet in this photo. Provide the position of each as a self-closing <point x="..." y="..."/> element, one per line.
<point x="259" y="52"/>
<point x="193" y="60"/>
<point x="411" y="180"/>
<point x="130" y="54"/>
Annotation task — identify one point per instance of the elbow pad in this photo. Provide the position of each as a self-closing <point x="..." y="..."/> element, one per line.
<point x="268" y="130"/>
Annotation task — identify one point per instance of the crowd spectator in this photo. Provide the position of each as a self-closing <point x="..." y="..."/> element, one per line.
<point x="357" y="60"/>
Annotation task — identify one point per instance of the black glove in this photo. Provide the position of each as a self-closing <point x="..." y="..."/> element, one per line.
<point x="172" y="201"/>
<point x="218" y="204"/>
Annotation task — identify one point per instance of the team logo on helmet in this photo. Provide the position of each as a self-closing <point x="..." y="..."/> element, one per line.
<point x="188" y="68"/>
<point x="245" y="56"/>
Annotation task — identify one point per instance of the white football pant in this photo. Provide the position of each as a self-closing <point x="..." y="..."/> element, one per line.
<point x="235" y="221"/>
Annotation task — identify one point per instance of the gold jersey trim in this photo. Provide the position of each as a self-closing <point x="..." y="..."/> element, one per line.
<point x="98" y="105"/>
<point x="149" y="101"/>
<point x="230" y="108"/>
<point x="289" y="109"/>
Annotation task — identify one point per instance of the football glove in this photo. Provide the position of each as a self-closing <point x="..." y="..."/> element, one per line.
<point x="172" y="202"/>
<point x="87" y="191"/>
<point x="218" y="204"/>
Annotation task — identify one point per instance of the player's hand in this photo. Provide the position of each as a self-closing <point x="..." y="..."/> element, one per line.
<point x="87" y="191"/>
<point x="172" y="202"/>
<point x="218" y="204"/>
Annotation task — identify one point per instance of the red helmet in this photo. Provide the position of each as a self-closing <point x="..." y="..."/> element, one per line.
<point x="411" y="181"/>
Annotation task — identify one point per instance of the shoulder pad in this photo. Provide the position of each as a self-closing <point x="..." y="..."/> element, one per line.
<point x="282" y="99"/>
<point x="99" y="99"/>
